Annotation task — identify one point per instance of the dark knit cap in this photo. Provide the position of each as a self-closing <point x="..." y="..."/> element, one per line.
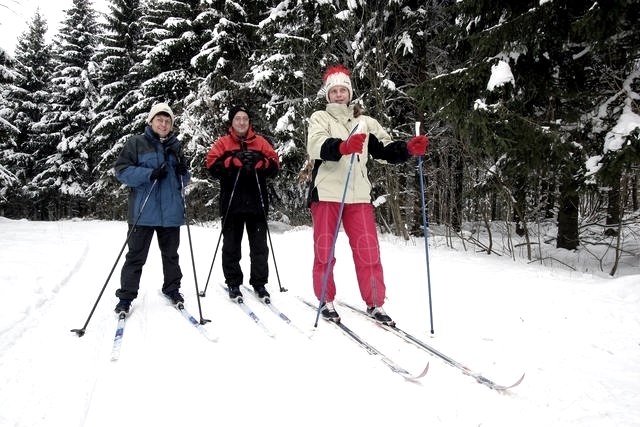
<point x="236" y="109"/>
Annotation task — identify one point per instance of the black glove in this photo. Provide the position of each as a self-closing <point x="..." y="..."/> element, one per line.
<point x="182" y="169"/>
<point x="159" y="172"/>
<point x="249" y="158"/>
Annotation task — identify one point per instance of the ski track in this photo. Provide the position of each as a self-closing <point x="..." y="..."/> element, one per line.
<point x="32" y="314"/>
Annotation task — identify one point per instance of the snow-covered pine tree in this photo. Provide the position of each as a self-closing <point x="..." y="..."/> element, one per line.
<point x="298" y="40"/>
<point x="24" y="103"/>
<point x="609" y="44"/>
<point x="515" y="99"/>
<point x="392" y="55"/>
<point x="64" y="131"/>
<point x="119" y="50"/>
<point x="170" y="76"/>
<point x="492" y="99"/>
<point x="228" y="39"/>
<point x="8" y="133"/>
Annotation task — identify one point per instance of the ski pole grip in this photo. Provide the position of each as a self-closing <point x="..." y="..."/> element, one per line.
<point x="417" y="128"/>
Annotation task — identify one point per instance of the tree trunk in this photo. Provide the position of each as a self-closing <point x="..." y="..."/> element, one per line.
<point x="456" y="194"/>
<point x="568" y="237"/>
<point x="614" y="214"/>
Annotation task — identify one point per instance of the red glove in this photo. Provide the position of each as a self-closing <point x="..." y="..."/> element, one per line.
<point x="232" y="161"/>
<point x="262" y="164"/>
<point x="353" y="144"/>
<point x="417" y="146"/>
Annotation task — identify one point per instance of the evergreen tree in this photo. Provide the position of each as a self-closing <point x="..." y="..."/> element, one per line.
<point x="526" y="134"/>
<point x="227" y="39"/>
<point x="391" y="51"/>
<point x="166" y="70"/>
<point x="608" y="46"/>
<point x="8" y="132"/>
<point x="64" y="131"/>
<point x="296" y="45"/>
<point x="119" y="51"/>
<point x="25" y="102"/>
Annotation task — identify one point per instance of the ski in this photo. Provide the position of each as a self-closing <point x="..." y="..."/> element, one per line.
<point x="117" y="340"/>
<point x="249" y="312"/>
<point x="420" y="344"/>
<point x="373" y="351"/>
<point x="185" y="313"/>
<point x="181" y="308"/>
<point x="275" y="310"/>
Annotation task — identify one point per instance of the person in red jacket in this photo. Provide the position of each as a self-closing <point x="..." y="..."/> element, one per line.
<point x="242" y="160"/>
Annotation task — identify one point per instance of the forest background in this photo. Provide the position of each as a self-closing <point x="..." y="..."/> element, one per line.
<point x="548" y="152"/>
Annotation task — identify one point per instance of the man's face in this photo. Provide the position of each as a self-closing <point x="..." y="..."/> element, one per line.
<point x="161" y="124"/>
<point x="240" y="123"/>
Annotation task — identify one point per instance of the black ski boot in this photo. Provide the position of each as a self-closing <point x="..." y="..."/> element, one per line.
<point x="262" y="293"/>
<point x="235" y="294"/>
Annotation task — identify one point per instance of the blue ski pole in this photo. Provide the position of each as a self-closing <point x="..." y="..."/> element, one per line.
<point x="425" y="227"/>
<point x="325" y="279"/>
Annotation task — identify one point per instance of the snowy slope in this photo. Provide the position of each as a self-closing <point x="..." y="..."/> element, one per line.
<point x="575" y="335"/>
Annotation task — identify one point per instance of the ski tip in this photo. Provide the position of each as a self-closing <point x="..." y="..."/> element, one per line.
<point x="501" y="388"/>
<point x="515" y="384"/>
<point x="421" y="374"/>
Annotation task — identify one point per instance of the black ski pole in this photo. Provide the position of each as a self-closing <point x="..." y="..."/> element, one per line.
<point x="266" y="222"/>
<point x="224" y="221"/>
<point x="80" y="332"/>
<point x="193" y="261"/>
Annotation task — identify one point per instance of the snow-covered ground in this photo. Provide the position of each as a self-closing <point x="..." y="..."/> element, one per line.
<point x="575" y="335"/>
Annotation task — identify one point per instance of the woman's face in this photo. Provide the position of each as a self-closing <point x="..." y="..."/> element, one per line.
<point x="339" y="95"/>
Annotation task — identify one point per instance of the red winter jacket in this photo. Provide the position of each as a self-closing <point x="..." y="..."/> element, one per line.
<point x="246" y="198"/>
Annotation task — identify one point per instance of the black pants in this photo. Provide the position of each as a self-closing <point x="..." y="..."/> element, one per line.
<point x="232" y="249"/>
<point x="139" y="242"/>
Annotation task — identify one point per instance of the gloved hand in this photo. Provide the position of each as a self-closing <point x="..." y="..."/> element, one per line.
<point x="159" y="172"/>
<point x="353" y="145"/>
<point x="263" y="163"/>
<point x="182" y="169"/>
<point x="232" y="161"/>
<point x="417" y="146"/>
<point x="249" y="158"/>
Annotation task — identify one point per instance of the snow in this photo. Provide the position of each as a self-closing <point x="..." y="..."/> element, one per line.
<point x="575" y="335"/>
<point x="405" y="43"/>
<point x="627" y="123"/>
<point x="500" y="75"/>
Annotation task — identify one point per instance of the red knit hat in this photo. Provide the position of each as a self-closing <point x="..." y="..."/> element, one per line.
<point x="337" y="75"/>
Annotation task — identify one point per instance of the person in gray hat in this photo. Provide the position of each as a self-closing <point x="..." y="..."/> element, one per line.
<point x="152" y="166"/>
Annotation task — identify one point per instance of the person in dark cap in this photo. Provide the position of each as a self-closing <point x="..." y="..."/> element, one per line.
<point x="242" y="160"/>
<point x="152" y="166"/>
